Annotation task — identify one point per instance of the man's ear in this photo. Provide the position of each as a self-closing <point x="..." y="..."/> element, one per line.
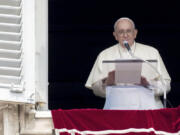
<point x="135" y="33"/>
<point x="115" y="35"/>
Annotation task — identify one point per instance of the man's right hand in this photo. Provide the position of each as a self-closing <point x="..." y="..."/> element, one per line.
<point x="110" y="80"/>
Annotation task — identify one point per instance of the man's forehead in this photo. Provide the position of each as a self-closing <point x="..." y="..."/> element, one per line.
<point x="124" y="25"/>
<point x="124" y="22"/>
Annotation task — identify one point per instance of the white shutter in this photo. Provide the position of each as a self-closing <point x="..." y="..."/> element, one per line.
<point x="11" y="56"/>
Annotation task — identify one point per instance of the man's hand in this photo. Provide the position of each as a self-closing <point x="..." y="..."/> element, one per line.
<point x="144" y="81"/>
<point x="110" y="79"/>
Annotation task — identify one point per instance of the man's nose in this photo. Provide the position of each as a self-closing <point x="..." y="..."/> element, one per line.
<point x="125" y="34"/>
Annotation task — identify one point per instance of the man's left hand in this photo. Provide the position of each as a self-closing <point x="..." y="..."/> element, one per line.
<point x="144" y="81"/>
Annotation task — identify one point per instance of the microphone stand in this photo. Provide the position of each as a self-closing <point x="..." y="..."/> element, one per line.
<point x="155" y="69"/>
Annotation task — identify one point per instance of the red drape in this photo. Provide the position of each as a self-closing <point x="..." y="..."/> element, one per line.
<point x="165" y="120"/>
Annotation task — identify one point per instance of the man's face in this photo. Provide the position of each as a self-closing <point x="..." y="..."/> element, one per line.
<point x="125" y="31"/>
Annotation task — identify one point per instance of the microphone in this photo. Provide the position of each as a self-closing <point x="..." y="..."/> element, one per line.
<point x="127" y="45"/>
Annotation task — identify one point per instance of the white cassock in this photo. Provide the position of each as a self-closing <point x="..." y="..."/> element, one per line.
<point x="128" y="97"/>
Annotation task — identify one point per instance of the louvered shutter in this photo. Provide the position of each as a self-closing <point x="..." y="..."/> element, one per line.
<point x="12" y="86"/>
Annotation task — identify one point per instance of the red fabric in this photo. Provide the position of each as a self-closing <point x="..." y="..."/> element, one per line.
<point x="167" y="120"/>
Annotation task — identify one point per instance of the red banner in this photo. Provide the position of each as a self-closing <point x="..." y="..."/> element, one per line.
<point x="125" y="122"/>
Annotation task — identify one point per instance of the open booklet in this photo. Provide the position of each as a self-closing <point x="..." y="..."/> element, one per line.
<point x="129" y="71"/>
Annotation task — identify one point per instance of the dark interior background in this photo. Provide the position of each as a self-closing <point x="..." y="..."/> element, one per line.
<point x="80" y="29"/>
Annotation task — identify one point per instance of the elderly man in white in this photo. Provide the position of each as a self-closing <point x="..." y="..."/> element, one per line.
<point x="139" y="96"/>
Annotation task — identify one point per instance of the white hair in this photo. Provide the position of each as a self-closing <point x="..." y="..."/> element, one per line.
<point x="123" y="18"/>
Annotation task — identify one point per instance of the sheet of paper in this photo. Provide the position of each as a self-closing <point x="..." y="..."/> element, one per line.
<point x="128" y="71"/>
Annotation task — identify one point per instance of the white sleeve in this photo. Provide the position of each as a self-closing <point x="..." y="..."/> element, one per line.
<point x="99" y="89"/>
<point x="159" y="86"/>
<point x="163" y="82"/>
